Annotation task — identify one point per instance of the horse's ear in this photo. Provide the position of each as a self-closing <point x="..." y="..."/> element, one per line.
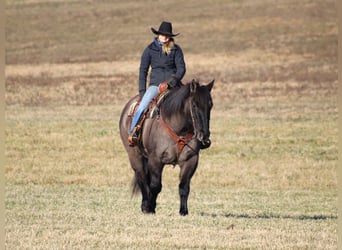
<point x="193" y="86"/>
<point x="211" y="84"/>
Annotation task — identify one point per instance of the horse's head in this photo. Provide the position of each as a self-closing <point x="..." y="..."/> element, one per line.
<point x="200" y="108"/>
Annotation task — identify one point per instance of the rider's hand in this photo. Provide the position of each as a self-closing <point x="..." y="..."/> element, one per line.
<point x="173" y="82"/>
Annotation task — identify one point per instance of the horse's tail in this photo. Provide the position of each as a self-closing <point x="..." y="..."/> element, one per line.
<point x="135" y="186"/>
<point x="136" y="181"/>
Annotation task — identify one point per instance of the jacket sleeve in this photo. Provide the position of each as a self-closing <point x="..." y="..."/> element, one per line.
<point x="180" y="64"/>
<point x="143" y="71"/>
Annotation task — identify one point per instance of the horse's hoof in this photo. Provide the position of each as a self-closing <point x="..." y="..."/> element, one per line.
<point x="148" y="211"/>
<point x="183" y="213"/>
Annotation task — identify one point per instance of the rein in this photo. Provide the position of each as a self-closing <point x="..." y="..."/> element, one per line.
<point x="180" y="140"/>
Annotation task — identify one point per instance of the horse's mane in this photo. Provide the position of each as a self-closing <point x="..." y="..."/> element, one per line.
<point x="174" y="101"/>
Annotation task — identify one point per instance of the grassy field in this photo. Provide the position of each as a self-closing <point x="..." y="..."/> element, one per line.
<point x="267" y="182"/>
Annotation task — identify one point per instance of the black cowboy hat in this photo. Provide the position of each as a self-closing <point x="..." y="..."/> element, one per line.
<point x="165" y="28"/>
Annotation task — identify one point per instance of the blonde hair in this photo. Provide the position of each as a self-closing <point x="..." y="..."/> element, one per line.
<point x="168" y="46"/>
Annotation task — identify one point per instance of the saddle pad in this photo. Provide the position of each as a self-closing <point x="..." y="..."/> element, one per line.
<point x="152" y="108"/>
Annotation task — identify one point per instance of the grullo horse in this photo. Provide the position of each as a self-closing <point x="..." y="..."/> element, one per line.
<point x="175" y="135"/>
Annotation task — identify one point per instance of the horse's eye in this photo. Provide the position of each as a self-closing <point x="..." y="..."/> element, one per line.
<point x="210" y="103"/>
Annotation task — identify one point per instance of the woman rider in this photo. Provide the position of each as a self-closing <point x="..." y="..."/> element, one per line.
<point x="167" y="64"/>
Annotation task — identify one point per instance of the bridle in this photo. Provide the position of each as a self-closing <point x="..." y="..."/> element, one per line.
<point x="183" y="140"/>
<point x="205" y="142"/>
<point x="180" y="140"/>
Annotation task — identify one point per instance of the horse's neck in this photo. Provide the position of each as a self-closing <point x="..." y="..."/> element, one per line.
<point x="179" y="122"/>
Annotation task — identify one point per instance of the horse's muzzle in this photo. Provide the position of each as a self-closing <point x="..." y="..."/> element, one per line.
<point x="205" y="143"/>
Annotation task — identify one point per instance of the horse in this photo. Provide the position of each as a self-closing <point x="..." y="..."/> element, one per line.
<point x="175" y="136"/>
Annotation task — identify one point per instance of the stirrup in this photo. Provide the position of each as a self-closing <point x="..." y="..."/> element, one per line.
<point x="133" y="138"/>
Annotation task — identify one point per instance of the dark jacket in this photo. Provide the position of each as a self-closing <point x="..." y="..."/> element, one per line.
<point x="163" y="66"/>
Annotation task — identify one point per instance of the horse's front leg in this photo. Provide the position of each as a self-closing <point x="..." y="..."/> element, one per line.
<point x="187" y="169"/>
<point x="155" y="172"/>
<point x="184" y="190"/>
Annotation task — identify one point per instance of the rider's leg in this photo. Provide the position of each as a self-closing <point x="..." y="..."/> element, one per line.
<point x="150" y="93"/>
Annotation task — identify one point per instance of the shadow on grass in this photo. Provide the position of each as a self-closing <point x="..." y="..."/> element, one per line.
<point x="272" y="216"/>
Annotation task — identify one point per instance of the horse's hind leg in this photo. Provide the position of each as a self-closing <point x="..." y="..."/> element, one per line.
<point x="142" y="180"/>
<point x="155" y="173"/>
<point x="187" y="170"/>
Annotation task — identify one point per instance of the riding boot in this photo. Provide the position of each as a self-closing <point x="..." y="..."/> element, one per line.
<point x="133" y="138"/>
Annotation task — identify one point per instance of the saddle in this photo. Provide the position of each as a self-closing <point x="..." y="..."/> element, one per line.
<point x="151" y="112"/>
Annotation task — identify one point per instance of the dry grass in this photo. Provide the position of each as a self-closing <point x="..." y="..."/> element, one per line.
<point x="117" y="30"/>
<point x="267" y="182"/>
<point x="87" y="216"/>
<point x="277" y="146"/>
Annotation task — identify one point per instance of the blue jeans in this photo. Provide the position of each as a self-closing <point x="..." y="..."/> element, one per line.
<point x="150" y="93"/>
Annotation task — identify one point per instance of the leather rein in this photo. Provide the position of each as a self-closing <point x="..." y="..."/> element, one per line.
<point x="180" y="140"/>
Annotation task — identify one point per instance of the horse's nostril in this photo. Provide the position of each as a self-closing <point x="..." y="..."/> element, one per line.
<point x="206" y="143"/>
